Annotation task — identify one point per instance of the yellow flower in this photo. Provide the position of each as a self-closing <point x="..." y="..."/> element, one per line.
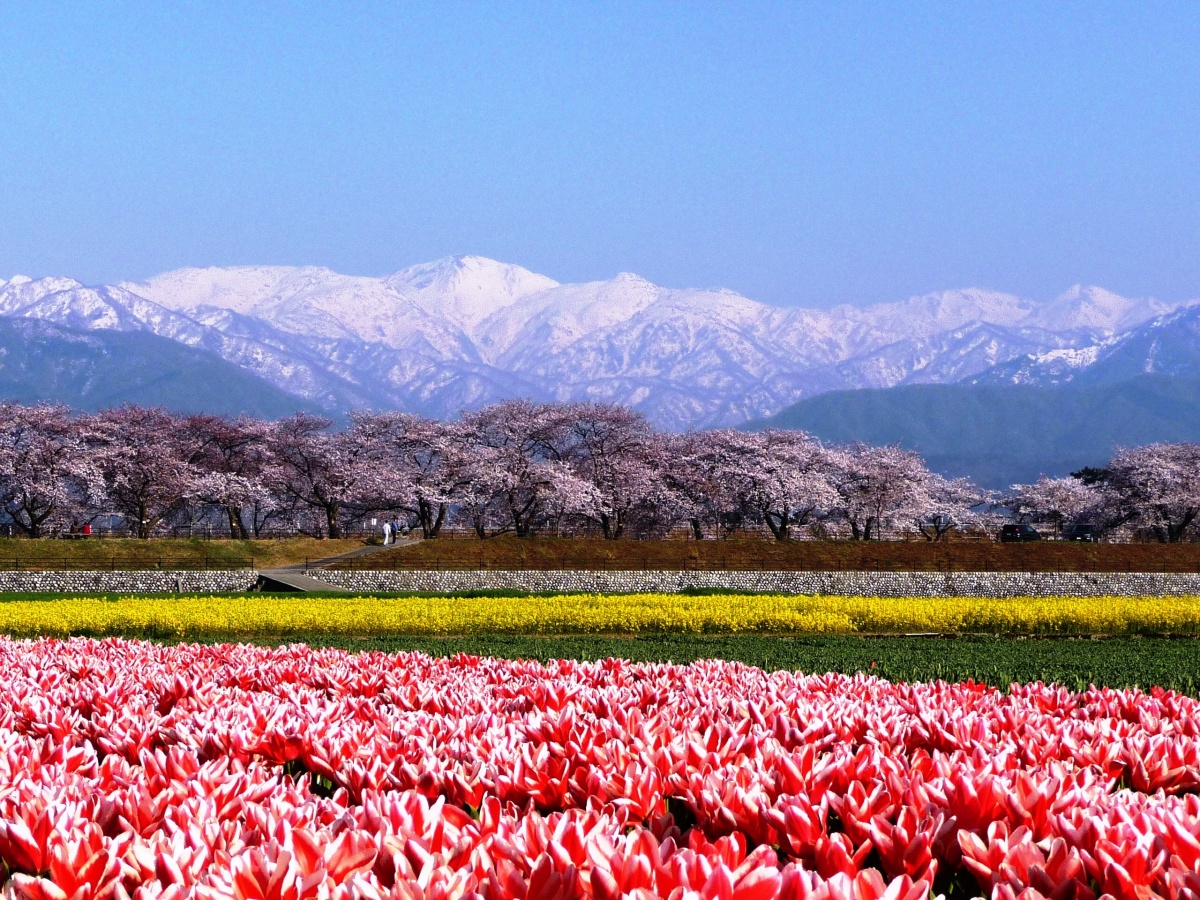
<point x="282" y="617"/>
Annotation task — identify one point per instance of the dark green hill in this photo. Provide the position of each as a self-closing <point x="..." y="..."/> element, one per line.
<point x="98" y="369"/>
<point x="1004" y="434"/>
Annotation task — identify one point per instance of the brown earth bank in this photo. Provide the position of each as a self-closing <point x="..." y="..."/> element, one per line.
<point x="507" y="552"/>
<point x="19" y="554"/>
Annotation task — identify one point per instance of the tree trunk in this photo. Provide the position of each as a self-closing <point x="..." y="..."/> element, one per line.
<point x="431" y="523"/>
<point x="612" y="526"/>
<point x="778" y="523"/>
<point x="237" y="531"/>
<point x="36" y="520"/>
<point x="331" y="520"/>
<point x="438" y="522"/>
<point x="523" y="517"/>
<point x="32" y="530"/>
<point x="1176" y="532"/>
<point x="425" y="517"/>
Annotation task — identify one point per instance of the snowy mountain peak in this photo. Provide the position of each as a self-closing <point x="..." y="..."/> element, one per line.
<point x="49" y="283"/>
<point x="21" y="293"/>
<point x="1093" y="308"/>
<point x="981" y="305"/>
<point x="448" y="269"/>
<point x="242" y="289"/>
<point x="467" y="289"/>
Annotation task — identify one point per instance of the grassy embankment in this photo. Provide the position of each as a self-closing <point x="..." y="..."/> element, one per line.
<point x="1076" y="663"/>
<point x="949" y="556"/>
<point x="541" y="553"/>
<point x="166" y="553"/>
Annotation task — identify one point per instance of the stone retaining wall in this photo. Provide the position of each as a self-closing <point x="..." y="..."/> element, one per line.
<point x="67" y="582"/>
<point x="884" y="584"/>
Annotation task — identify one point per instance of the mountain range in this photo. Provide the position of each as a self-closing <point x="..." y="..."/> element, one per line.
<point x="460" y="332"/>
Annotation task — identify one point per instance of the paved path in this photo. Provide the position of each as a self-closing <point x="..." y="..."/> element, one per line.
<point x="296" y="578"/>
<point x="282" y="581"/>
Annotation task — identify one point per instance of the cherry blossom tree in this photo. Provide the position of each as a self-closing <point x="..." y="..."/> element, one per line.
<point x="689" y="471"/>
<point x="230" y="459"/>
<point x="710" y="474"/>
<point x="1156" y="487"/>
<point x="615" y="451"/>
<point x="418" y="472"/>
<point x="512" y="469"/>
<point x="143" y="459"/>
<point x="1054" y="500"/>
<point x="946" y="503"/>
<point x="319" y="471"/>
<point x="781" y="479"/>
<point x="790" y="480"/>
<point x="47" y="474"/>
<point x="879" y="484"/>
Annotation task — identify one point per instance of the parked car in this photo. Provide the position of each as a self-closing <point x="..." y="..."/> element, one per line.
<point x="1021" y="532"/>
<point x="1079" y="532"/>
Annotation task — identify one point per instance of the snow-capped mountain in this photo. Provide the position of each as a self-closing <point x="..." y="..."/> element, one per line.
<point x="440" y="337"/>
<point x="1167" y="345"/>
<point x="1095" y="309"/>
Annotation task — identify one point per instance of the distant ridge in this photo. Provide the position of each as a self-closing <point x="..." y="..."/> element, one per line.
<point x="40" y="362"/>
<point x="454" y="334"/>
<point x="1169" y="344"/>
<point x="1002" y="434"/>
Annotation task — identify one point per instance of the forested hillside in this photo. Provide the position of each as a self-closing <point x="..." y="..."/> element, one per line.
<point x="1000" y="435"/>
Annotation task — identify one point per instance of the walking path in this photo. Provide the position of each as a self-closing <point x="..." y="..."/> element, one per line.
<point x="296" y="578"/>
<point x="277" y="581"/>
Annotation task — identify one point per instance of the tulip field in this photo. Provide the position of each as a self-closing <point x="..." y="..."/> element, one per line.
<point x="134" y="770"/>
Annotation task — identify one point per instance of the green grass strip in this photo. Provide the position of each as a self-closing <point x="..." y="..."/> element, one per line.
<point x="1075" y="663"/>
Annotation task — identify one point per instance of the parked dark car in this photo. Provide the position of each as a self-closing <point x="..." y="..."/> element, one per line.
<point x="1079" y="532"/>
<point x="1012" y="533"/>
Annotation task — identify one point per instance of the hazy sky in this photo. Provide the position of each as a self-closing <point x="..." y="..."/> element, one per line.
<point x="797" y="153"/>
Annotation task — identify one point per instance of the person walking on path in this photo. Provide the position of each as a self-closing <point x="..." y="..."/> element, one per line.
<point x="387" y="532"/>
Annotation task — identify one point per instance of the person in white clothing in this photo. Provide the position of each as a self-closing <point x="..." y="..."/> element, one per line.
<point x="387" y="532"/>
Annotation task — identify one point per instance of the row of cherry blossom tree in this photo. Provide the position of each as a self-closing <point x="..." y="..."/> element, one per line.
<point x="525" y="468"/>
<point x="1152" y="492"/>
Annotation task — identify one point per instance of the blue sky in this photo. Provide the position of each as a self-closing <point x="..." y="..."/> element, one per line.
<point x="800" y="154"/>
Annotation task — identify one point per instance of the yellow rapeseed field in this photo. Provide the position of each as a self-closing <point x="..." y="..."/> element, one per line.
<point x="278" y="617"/>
